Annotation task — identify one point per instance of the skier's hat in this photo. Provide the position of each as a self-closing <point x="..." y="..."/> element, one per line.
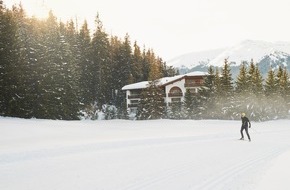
<point x="243" y="114"/>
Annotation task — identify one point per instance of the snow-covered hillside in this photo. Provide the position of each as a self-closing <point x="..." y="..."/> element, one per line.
<point x="244" y="51"/>
<point x="140" y="155"/>
<point x="194" y="59"/>
<point x="249" y="49"/>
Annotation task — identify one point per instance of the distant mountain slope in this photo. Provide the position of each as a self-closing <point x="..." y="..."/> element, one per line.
<point x="265" y="54"/>
<point x="249" y="49"/>
<point x="194" y="59"/>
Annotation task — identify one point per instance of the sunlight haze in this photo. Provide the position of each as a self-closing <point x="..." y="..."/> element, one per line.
<point x="174" y="28"/>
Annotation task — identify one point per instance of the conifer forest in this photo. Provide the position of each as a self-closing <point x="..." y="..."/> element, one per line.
<point x="55" y="70"/>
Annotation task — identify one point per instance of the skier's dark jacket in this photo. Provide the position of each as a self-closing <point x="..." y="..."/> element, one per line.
<point x="245" y="121"/>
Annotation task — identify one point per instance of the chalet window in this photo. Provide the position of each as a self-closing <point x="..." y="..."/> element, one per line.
<point x="134" y="101"/>
<point x="134" y="94"/>
<point x="193" y="82"/>
<point x="135" y="91"/>
<point x="189" y="80"/>
<point x="198" y="81"/>
<point x="175" y="91"/>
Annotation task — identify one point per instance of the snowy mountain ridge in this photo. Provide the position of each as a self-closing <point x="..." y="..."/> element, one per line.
<point x="259" y="51"/>
<point x="194" y="59"/>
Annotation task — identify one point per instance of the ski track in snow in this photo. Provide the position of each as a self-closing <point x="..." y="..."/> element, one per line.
<point x="215" y="182"/>
<point x="106" y="146"/>
<point x="203" y="162"/>
<point x="218" y="181"/>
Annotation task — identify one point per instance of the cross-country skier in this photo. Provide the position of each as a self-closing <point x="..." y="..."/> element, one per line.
<point x="245" y="124"/>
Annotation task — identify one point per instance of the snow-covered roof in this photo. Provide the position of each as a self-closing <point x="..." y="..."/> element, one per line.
<point x="162" y="81"/>
<point x="138" y="85"/>
<point x="196" y="73"/>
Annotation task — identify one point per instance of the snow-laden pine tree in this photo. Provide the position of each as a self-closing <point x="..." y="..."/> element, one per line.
<point x="100" y="65"/>
<point x="257" y="96"/>
<point x="249" y="92"/>
<point x="174" y="110"/>
<point x="27" y="53"/>
<point x="151" y="105"/>
<point x="49" y="60"/>
<point x="217" y="97"/>
<point x="69" y="72"/>
<point x="207" y="95"/>
<point x="257" y="82"/>
<point x="136" y="66"/>
<point x="282" y="96"/>
<point x="123" y="71"/>
<point x="8" y="62"/>
<point x="274" y="101"/>
<point x="271" y="83"/>
<point x="242" y="92"/>
<point x="83" y="41"/>
<point x="242" y="82"/>
<point x="189" y="105"/>
<point x="285" y="90"/>
<point x="227" y="101"/>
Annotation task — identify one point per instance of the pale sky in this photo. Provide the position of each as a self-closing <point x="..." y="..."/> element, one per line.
<point x="172" y="28"/>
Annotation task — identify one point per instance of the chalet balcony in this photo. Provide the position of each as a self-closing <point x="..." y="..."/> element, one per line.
<point x="192" y="84"/>
<point x="132" y="105"/>
<point x="175" y="94"/>
<point x="134" y="96"/>
<point x="138" y="96"/>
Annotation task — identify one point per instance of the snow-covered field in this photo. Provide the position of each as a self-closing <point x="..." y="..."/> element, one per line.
<point x="138" y="155"/>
